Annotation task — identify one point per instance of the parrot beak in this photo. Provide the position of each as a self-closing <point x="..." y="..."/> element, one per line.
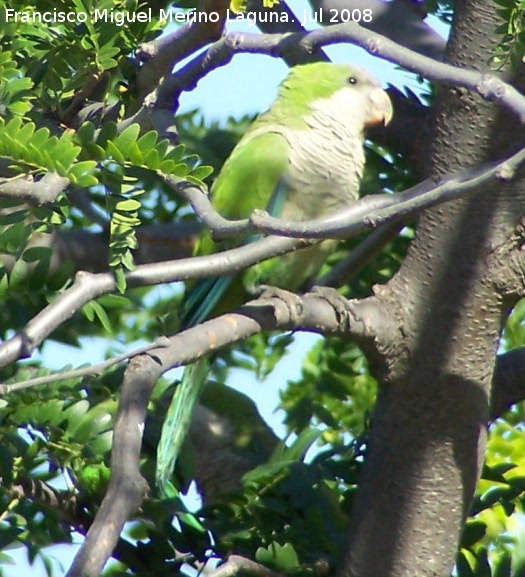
<point x="381" y="111"/>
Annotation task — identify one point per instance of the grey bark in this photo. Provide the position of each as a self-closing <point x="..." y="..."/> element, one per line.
<point x="428" y="434"/>
<point x="398" y="20"/>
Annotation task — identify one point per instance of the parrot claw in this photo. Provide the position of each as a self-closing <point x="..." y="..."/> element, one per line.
<point x="293" y="302"/>
<point x="336" y="300"/>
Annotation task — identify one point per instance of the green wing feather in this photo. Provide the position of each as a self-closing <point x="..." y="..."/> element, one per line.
<point x="252" y="178"/>
<point x="177" y="422"/>
<point x="251" y="174"/>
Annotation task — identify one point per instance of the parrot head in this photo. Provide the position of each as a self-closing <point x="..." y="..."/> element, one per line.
<point x="347" y="94"/>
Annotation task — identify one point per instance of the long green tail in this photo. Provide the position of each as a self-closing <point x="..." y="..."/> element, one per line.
<point x="200" y="302"/>
<point x="177" y="423"/>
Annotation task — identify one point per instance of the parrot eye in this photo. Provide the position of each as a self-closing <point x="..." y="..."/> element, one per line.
<point x="352" y="80"/>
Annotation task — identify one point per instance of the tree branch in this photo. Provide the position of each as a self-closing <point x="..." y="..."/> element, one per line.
<point x="237" y="564"/>
<point x="400" y="21"/>
<point x="286" y="22"/>
<point x="509" y="264"/>
<point x="35" y="192"/>
<point x="489" y="86"/>
<point x="360" y="256"/>
<point x="88" y="251"/>
<point x="92" y="370"/>
<point x="161" y="55"/>
<point x="127" y="487"/>
<point x="88" y="287"/>
<point x="368" y="212"/>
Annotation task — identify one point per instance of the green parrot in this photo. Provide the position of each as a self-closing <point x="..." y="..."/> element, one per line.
<point x="301" y="159"/>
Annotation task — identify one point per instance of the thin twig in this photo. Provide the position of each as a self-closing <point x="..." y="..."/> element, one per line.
<point x="360" y="256"/>
<point x="91" y="370"/>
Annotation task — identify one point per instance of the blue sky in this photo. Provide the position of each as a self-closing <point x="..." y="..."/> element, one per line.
<point x="247" y="85"/>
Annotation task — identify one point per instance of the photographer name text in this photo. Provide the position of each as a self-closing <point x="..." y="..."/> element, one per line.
<point x="121" y="18"/>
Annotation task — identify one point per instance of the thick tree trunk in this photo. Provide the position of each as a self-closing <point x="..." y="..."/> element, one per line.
<point x="428" y="434"/>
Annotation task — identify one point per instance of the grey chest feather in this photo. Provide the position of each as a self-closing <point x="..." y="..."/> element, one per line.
<point x="325" y="167"/>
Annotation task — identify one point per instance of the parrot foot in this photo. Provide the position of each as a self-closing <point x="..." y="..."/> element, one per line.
<point x="336" y="300"/>
<point x="293" y="302"/>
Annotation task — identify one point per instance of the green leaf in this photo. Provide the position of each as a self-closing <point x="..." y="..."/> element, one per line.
<point x="73" y="415"/>
<point x="463" y="566"/>
<point x="503" y="565"/>
<point x="86" y="132"/>
<point x="152" y="160"/>
<point x="191" y="520"/>
<point x="167" y="166"/>
<point x="127" y="138"/>
<point x="18" y="274"/>
<point x="112" y="301"/>
<point x="495" y="495"/>
<point x="8" y="536"/>
<point x="176" y="154"/>
<point x="25" y="133"/>
<point x="474" y="531"/>
<point x="517" y="483"/>
<point x="301" y="445"/>
<point x="97" y="420"/>
<point x="95" y="479"/>
<point x="67" y="157"/>
<point x="102" y="316"/>
<point x="482" y="567"/>
<point x="81" y="173"/>
<point x="181" y="169"/>
<point x="89" y="311"/>
<point x="115" y="152"/>
<point x="40" y="137"/>
<point x="101" y="445"/>
<point x="278" y="557"/>
<point x="18" y="108"/>
<point x="107" y="133"/>
<point x="13" y="217"/>
<point x="120" y="277"/>
<point x="194" y="180"/>
<point x="135" y="155"/>
<point x="202" y="172"/>
<point x="12" y="127"/>
<point x="147" y="142"/>
<point x="36" y="253"/>
<point x="128" y="205"/>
